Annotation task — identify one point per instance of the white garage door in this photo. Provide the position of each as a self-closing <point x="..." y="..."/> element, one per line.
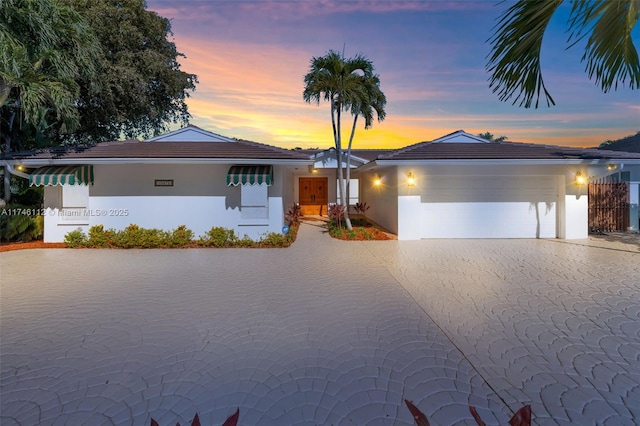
<point x="489" y="207"/>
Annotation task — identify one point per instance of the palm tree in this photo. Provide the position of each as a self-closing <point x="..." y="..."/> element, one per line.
<point x="491" y="137"/>
<point x="44" y="48"/>
<point x="610" y="55"/>
<point x="371" y="100"/>
<point x="343" y="83"/>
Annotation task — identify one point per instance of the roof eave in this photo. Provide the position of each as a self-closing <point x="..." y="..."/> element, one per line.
<point x="497" y="162"/>
<point x="95" y="161"/>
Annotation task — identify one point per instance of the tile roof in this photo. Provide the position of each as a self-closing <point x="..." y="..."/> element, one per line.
<point x="239" y="149"/>
<point x="498" y="151"/>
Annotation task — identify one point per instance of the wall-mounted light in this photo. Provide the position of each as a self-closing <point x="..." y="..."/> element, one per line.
<point x="580" y="179"/>
<point x="612" y="166"/>
<point x="312" y="169"/>
<point x="20" y="168"/>
<point x="410" y="179"/>
<point x="377" y="181"/>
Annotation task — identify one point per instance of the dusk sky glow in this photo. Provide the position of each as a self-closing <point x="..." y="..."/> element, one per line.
<point x="251" y="57"/>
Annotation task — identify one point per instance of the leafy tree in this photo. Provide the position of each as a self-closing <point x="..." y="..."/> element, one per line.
<point x="349" y="85"/>
<point x="140" y="89"/>
<point x="44" y="49"/>
<point x="490" y="137"/>
<point x="610" y="55"/>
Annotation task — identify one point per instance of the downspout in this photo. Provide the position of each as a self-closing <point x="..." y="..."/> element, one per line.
<point x="13" y="171"/>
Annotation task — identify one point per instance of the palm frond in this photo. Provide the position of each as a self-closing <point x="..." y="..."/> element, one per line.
<point x="610" y="55"/>
<point x="514" y="62"/>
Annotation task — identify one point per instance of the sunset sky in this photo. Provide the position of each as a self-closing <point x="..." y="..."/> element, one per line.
<point x="251" y="57"/>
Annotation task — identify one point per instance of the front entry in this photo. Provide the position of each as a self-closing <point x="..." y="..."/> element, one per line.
<point x="313" y="195"/>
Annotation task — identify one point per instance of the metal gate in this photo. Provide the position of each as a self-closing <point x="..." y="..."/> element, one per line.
<point x="608" y="207"/>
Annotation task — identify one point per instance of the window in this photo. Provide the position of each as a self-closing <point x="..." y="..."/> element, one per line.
<point x="353" y="192"/>
<point x="75" y="200"/>
<point x="255" y="202"/>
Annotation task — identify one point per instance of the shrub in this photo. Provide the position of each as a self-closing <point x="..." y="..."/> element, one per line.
<point x="135" y="237"/>
<point x="361" y="208"/>
<point x="294" y="214"/>
<point x="98" y="237"/>
<point x="75" y="238"/>
<point x="20" y="227"/>
<point x="179" y="237"/>
<point x="244" y="242"/>
<point x="336" y="214"/>
<point x="274" y="239"/>
<point x="218" y="237"/>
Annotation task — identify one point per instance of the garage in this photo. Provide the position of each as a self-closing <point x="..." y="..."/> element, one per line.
<point x="489" y="207"/>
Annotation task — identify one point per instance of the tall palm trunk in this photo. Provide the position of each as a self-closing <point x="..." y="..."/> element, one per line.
<point x="341" y="181"/>
<point x="348" y="178"/>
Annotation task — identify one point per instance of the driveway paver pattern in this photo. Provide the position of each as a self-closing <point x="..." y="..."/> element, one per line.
<point x="325" y="332"/>
<point x="544" y="322"/>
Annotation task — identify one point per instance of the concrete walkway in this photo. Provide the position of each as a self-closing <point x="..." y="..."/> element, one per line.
<point x="325" y="332"/>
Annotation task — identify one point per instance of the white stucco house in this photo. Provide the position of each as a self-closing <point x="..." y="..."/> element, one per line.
<point x="457" y="186"/>
<point x="188" y="177"/>
<point x="463" y="186"/>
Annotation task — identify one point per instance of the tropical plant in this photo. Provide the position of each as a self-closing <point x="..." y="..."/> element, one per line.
<point x="45" y="48"/>
<point x="610" y="55"/>
<point x="336" y="214"/>
<point x="20" y="227"/>
<point x="361" y="208"/>
<point x="491" y="138"/>
<point x="370" y="101"/>
<point x="348" y="85"/>
<point x="232" y="420"/>
<point x="294" y="214"/>
<point x="521" y="418"/>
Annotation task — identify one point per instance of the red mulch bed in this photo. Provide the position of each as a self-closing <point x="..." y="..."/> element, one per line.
<point x="30" y="245"/>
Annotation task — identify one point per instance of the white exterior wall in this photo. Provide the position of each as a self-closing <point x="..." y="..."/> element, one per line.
<point x="382" y="199"/>
<point x="200" y="199"/>
<point x="481" y="201"/>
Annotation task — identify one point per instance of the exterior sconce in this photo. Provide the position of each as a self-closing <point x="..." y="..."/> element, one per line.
<point x="580" y="179"/>
<point x="377" y="181"/>
<point x="312" y="169"/>
<point x="410" y="179"/>
<point x="612" y="166"/>
<point x="20" y="168"/>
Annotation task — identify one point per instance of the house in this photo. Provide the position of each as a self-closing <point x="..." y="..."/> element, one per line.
<point x="463" y="186"/>
<point x="457" y="186"/>
<point x="188" y="177"/>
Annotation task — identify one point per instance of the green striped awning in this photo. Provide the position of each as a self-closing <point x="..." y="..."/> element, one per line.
<point x="250" y="175"/>
<point x="62" y="175"/>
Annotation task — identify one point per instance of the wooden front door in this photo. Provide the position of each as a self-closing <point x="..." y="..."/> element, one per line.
<point x="313" y="195"/>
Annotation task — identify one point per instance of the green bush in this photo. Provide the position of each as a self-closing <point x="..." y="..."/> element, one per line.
<point x="244" y="242"/>
<point x="98" y="237"/>
<point x="75" y="239"/>
<point x="20" y="227"/>
<point x="135" y="237"/>
<point x="274" y="239"/>
<point x="218" y="237"/>
<point x="180" y="237"/>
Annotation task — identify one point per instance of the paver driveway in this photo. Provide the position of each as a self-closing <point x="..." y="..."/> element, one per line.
<point x="325" y="332"/>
